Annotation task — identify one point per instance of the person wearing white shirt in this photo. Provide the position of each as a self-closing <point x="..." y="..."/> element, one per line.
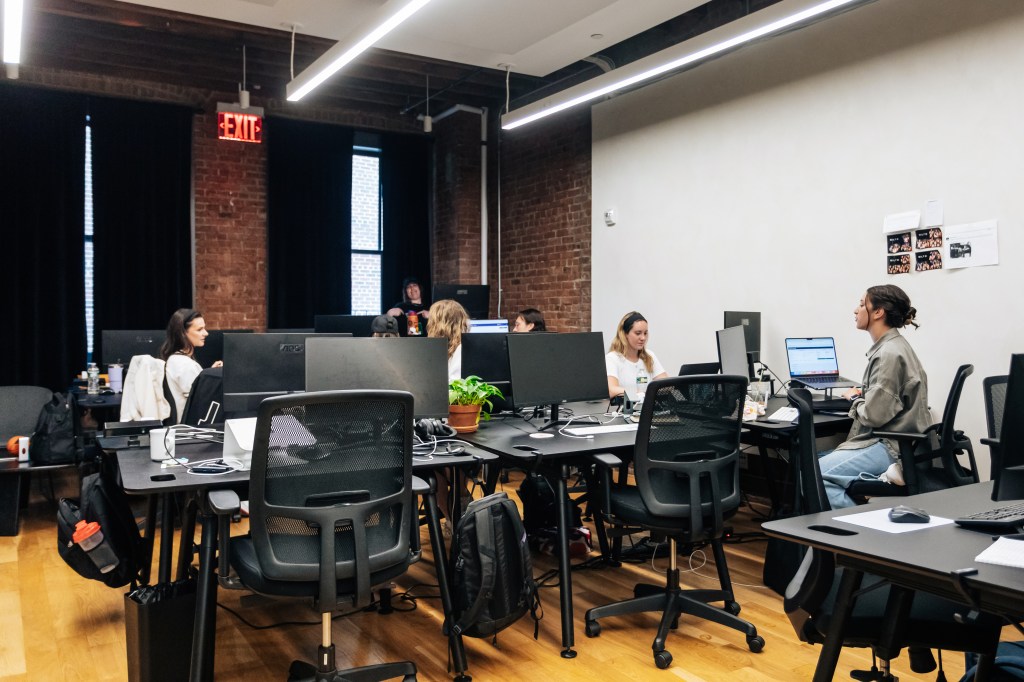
<point x="630" y="366"/>
<point x="186" y="331"/>
<point x="449" y="320"/>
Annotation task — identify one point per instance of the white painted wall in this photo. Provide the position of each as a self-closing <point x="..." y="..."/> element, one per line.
<point x="759" y="181"/>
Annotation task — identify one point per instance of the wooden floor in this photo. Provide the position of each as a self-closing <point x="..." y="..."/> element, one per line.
<point x="55" y="625"/>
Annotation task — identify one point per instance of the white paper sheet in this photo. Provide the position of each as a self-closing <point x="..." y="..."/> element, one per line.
<point x="1003" y="552"/>
<point x="901" y="222"/>
<point x="971" y="245"/>
<point x="933" y="213"/>
<point x="878" y="519"/>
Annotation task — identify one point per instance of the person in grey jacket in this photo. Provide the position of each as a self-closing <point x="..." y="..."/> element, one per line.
<point x="894" y="397"/>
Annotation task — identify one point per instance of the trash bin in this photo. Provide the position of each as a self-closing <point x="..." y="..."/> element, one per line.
<point x="158" y="622"/>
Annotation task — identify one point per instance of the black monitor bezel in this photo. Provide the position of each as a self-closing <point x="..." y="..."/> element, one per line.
<point x="474" y="296"/>
<point x="589" y="356"/>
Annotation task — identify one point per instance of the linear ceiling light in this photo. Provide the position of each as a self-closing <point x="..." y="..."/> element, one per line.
<point x="379" y="25"/>
<point x="641" y="70"/>
<point x="13" y="12"/>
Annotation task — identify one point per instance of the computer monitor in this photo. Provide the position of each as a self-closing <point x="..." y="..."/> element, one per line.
<point x="751" y="323"/>
<point x="356" y="325"/>
<point x="213" y="350"/>
<point x="486" y="356"/>
<point x="257" y="366"/>
<point x="121" y="345"/>
<point x="1008" y="466"/>
<point x="475" y="298"/>
<point x="732" y="351"/>
<point x="419" y="366"/>
<point x="488" y="326"/>
<point x="549" y="369"/>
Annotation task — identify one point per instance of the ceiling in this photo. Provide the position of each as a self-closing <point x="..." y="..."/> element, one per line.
<point x="455" y="44"/>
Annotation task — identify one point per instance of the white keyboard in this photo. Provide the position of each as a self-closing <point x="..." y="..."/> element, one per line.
<point x="783" y="414"/>
<point x="603" y="428"/>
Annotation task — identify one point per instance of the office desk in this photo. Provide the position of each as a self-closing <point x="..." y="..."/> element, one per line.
<point x="141" y="476"/>
<point x="511" y="440"/>
<point x="924" y="559"/>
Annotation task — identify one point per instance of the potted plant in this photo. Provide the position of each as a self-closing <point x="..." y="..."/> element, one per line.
<point x="466" y="397"/>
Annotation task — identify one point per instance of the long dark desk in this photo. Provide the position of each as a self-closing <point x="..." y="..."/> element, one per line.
<point x="141" y="476"/>
<point x="924" y="559"/>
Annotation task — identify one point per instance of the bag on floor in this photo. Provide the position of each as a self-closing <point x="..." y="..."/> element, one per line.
<point x="53" y="441"/>
<point x="493" y="575"/>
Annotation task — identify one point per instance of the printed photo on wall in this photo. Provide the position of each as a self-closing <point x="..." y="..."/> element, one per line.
<point x="929" y="260"/>
<point x="972" y="244"/>
<point x="899" y="243"/>
<point x="899" y="265"/>
<point x="929" y="239"/>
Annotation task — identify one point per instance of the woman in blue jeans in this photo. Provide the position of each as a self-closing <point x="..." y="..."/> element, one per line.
<point x="894" y="397"/>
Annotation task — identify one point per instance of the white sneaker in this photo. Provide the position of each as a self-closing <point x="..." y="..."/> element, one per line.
<point x="893" y="475"/>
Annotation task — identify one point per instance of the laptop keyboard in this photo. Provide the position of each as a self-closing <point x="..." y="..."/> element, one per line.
<point x="1000" y="519"/>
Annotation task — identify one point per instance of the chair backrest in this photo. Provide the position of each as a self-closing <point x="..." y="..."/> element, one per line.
<point x="995" y="402"/>
<point x="810" y="488"/>
<point x="698" y="368"/>
<point x="338" y="460"/>
<point x="953" y="401"/>
<point x="19" y="410"/>
<point x="951" y="441"/>
<point x="686" y="458"/>
<point x="205" y="399"/>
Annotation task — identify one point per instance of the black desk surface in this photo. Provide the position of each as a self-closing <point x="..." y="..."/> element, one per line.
<point x="921" y="559"/>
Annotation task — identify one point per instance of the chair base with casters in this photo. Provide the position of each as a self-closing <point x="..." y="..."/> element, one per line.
<point x="674" y="601"/>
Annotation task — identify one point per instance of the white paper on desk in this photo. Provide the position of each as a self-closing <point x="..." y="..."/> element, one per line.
<point x="878" y="519"/>
<point x="1003" y="552"/>
<point x="901" y="222"/>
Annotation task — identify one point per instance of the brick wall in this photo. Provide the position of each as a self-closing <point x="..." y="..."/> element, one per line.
<point x="456" y="236"/>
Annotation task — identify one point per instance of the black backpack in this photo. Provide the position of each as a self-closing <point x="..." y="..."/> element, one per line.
<point x="106" y="503"/>
<point x="493" y="574"/>
<point x="53" y="441"/>
<point x="540" y="510"/>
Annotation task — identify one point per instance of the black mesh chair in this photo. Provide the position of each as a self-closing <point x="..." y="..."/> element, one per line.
<point x="929" y="459"/>
<point x="885" y="617"/>
<point x="340" y="460"/>
<point x="686" y="370"/>
<point x="995" y="404"/>
<point x="686" y="465"/>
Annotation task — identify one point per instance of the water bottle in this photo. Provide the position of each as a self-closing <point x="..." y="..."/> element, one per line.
<point x="94" y="379"/>
<point x="89" y="537"/>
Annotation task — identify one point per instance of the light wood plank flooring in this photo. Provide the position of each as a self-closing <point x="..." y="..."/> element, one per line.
<point x="58" y="626"/>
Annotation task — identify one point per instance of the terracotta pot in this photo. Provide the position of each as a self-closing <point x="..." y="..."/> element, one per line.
<point x="464" y="418"/>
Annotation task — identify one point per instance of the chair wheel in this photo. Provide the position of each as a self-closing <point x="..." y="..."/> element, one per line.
<point x="732" y="607"/>
<point x="662" y="659"/>
<point x="593" y="628"/>
<point x="756" y="643"/>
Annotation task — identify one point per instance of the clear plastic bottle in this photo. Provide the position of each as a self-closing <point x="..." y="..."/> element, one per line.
<point x="89" y="537"/>
<point x="94" y="379"/>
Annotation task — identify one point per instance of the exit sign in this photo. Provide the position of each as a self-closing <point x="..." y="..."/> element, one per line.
<point x="240" y="125"/>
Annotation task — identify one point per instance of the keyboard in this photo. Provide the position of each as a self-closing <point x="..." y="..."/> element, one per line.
<point x="783" y="414"/>
<point x="596" y="430"/>
<point x="999" y="520"/>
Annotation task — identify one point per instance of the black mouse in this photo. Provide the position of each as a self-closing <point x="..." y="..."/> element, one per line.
<point x="905" y="514"/>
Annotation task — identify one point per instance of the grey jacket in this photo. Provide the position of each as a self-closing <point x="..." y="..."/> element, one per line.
<point x="895" y="395"/>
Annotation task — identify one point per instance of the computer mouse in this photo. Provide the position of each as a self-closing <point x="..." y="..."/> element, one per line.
<point x="904" y="514"/>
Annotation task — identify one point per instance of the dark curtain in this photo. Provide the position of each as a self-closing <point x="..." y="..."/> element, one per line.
<point x="42" y="161"/>
<point x="142" y="213"/>
<point x="405" y="186"/>
<point x="309" y="215"/>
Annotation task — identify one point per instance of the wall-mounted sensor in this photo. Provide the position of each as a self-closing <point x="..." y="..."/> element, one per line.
<point x="610" y="217"/>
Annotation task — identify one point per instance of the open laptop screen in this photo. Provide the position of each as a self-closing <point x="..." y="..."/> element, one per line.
<point x="812" y="356"/>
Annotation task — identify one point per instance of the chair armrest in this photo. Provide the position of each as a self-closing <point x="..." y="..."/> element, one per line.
<point x="223" y="502"/>
<point x="606" y="459"/>
<point x="901" y="436"/>
<point x="420" y="486"/>
<point x="991" y="442"/>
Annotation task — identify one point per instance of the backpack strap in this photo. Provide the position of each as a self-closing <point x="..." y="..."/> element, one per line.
<point x="488" y="561"/>
<point x="530" y="591"/>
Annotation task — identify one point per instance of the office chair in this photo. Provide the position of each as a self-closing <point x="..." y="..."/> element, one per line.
<point x="340" y="460"/>
<point x="885" y="617"/>
<point x="929" y="459"/>
<point x="995" y="404"/>
<point x="204" y="405"/>
<point x="686" y="466"/>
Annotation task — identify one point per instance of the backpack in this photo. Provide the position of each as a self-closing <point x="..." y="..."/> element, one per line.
<point x="492" y="575"/>
<point x="53" y="441"/>
<point x="104" y="502"/>
<point x="540" y="510"/>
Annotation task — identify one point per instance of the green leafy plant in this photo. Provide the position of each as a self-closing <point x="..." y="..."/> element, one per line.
<point x="472" y="391"/>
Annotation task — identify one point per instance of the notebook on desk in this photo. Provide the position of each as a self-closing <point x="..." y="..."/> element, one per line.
<point x="813" y="363"/>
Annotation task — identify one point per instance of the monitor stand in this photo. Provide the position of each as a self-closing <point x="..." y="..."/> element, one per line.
<point x="554" y="421"/>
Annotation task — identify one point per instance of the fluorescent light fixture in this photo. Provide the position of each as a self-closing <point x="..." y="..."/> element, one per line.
<point x="13" y="12"/>
<point x="670" y="59"/>
<point x="382" y="22"/>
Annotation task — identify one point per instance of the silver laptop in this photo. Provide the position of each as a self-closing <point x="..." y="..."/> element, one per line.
<point x="813" y="363"/>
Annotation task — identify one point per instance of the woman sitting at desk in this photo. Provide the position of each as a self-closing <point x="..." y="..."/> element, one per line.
<point x="529" y="320"/>
<point x="186" y="331"/>
<point x="629" y="364"/>
<point x="894" y="397"/>
<point x="449" y="320"/>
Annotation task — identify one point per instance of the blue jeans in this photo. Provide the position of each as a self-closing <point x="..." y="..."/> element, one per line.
<point x="840" y="468"/>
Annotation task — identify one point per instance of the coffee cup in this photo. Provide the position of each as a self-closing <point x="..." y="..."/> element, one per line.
<point x="161" y="445"/>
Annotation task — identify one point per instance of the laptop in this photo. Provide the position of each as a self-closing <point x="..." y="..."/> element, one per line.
<point x="813" y="363"/>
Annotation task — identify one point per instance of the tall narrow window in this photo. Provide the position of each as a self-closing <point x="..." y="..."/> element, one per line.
<point x="367" y="232"/>
<point x="89" y="316"/>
